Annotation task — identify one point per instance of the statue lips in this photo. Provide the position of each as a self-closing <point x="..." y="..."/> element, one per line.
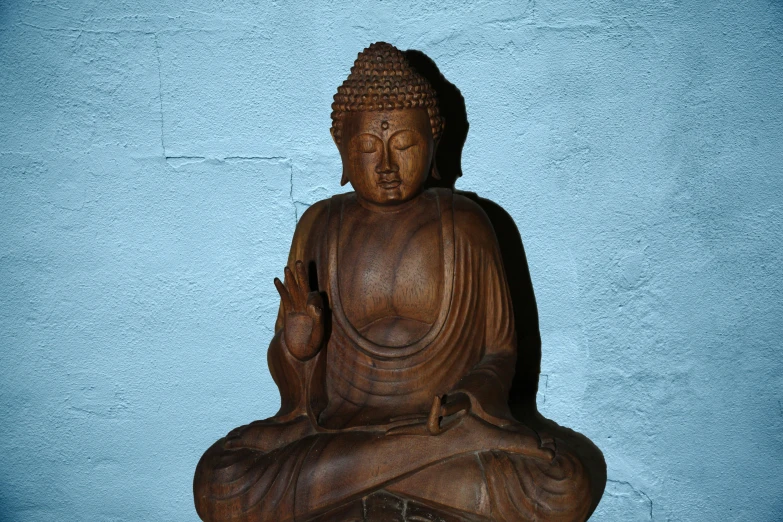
<point x="389" y="183"/>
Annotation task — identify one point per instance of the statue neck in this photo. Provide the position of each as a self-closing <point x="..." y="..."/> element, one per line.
<point x="392" y="208"/>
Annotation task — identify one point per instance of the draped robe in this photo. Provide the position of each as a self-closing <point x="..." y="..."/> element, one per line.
<point x="351" y="417"/>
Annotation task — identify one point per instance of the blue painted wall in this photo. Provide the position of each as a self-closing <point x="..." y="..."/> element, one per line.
<point x="154" y="159"/>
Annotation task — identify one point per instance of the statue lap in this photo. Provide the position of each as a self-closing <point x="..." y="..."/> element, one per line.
<point x="483" y="485"/>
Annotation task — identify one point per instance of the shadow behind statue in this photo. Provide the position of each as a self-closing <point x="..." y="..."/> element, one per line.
<point x="448" y="160"/>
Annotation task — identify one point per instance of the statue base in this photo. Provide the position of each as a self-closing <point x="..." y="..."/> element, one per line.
<point x="383" y="506"/>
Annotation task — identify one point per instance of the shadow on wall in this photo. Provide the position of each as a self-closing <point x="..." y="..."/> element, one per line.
<point x="448" y="159"/>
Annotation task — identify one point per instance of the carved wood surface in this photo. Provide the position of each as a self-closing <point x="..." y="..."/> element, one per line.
<point x="395" y="349"/>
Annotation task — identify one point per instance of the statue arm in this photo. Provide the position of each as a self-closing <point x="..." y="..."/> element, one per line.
<point x="294" y="357"/>
<point x="488" y="383"/>
<point x="305" y="244"/>
<point x="298" y="374"/>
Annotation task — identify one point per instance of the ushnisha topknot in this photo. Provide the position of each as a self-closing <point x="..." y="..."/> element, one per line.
<point x="382" y="79"/>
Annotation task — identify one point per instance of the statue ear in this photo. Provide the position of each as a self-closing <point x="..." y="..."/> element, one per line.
<point x="344" y="179"/>
<point x="434" y="172"/>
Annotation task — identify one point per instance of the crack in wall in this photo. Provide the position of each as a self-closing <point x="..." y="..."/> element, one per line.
<point x="255" y="158"/>
<point x="160" y="93"/>
<point x="79" y="31"/>
<point x="291" y="191"/>
<point x="527" y="13"/>
<point x="545" y="378"/>
<point x="177" y="162"/>
<point x="294" y="201"/>
<point x="635" y="490"/>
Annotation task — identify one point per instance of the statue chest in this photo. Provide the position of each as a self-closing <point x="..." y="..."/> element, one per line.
<point x="390" y="272"/>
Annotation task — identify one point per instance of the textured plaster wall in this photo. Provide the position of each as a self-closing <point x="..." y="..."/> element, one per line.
<point x="154" y="159"/>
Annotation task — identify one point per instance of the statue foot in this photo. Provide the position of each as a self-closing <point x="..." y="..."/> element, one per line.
<point x="269" y="434"/>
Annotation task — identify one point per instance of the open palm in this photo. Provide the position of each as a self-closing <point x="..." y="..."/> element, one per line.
<point x="303" y="313"/>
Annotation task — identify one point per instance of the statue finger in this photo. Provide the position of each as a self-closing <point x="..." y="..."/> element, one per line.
<point x="451" y="409"/>
<point x="454" y="404"/>
<point x="315" y="304"/>
<point x="546" y="441"/>
<point x="314" y="311"/>
<point x="234" y="438"/>
<point x="285" y="297"/>
<point x="301" y="278"/>
<point x="433" y="421"/>
<point x="546" y="454"/>
<point x="293" y="289"/>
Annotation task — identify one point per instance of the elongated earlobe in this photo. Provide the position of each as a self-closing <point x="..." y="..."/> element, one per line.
<point x="344" y="179"/>
<point x="434" y="171"/>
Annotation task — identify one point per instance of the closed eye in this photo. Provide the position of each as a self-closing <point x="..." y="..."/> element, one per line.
<point x="405" y="139"/>
<point x="367" y="146"/>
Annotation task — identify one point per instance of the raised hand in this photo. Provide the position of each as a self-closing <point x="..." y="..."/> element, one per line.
<point x="303" y="313"/>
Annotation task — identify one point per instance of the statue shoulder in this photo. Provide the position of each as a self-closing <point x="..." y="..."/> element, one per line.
<point x="470" y="221"/>
<point x="312" y="223"/>
<point x="314" y="213"/>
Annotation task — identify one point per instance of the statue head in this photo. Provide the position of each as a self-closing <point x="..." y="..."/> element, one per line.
<point x="386" y="124"/>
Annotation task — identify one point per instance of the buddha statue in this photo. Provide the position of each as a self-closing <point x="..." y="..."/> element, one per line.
<point x="395" y="348"/>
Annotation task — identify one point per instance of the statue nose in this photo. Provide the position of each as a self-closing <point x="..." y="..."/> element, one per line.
<point x="388" y="170"/>
<point x="386" y="166"/>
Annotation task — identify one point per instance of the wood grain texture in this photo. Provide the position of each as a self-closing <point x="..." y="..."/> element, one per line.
<point x="395" y="349"/>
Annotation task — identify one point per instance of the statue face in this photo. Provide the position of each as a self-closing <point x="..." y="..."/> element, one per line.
<point x="387" y="154"/>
